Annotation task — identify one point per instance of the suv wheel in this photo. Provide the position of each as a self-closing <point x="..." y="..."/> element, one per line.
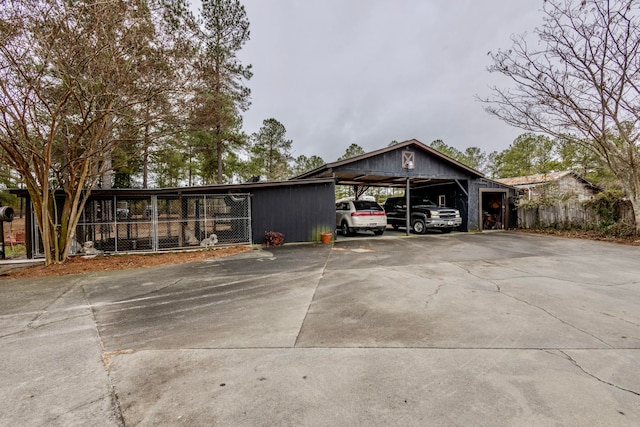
<point x="344" y="227"/>
<point x="418" y="226"/>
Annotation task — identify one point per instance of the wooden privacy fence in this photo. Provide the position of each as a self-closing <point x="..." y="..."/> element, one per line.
<point x="567" y="215"/>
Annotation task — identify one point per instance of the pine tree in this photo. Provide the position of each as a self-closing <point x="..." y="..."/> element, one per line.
<point x="219" y="91"/>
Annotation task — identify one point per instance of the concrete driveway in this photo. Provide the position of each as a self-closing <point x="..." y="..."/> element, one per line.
<point x="460" y="329"/>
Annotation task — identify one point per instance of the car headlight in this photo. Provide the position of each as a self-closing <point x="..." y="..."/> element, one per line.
<point x="435" y="214"/>
<point x="457" y="214"/>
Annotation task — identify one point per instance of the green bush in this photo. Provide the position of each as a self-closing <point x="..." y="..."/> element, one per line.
<point x="607" y="206"/>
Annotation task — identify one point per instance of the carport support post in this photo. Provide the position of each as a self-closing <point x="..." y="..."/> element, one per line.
<point x="2" y="256"/>
<point x="407" y="196"/>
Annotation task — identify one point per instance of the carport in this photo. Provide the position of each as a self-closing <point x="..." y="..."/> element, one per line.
<point x="422" y="170"/>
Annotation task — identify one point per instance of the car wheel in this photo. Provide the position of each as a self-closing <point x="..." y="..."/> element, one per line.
<point x="418" y="226"/>
<point x="344" y="227"/>
<point x="379" y="232"/>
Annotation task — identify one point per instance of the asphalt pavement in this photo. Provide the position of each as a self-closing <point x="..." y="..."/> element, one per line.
<point x="459" y="329"/>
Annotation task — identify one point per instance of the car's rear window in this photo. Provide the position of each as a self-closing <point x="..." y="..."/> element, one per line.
<point x="365" y="205"/>
<point x="422" y="202"/>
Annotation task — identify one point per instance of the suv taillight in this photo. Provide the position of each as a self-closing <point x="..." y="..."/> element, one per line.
<point x="368" y="213"/>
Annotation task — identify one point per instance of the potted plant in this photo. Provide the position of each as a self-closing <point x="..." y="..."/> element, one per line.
<point x="273" y="238"/>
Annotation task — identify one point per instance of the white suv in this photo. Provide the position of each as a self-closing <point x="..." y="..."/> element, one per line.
<point x="358" y="215"/>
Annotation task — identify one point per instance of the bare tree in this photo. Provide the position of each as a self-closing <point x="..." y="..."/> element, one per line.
<point x="70" y="74"/>
<point x="581" y="83"/>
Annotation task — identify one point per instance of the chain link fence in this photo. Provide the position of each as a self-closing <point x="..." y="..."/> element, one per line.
<point x="161" y="223"/>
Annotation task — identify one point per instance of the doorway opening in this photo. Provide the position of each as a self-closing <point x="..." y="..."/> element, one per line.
<point x="493" y="208"/>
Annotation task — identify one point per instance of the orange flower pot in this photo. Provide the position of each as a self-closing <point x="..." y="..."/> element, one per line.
<point x="326" y="237"/>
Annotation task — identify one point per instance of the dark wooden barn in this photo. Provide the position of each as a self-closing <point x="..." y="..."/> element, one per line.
<point x="421" y="170"/>
<point x="302" y="208"/>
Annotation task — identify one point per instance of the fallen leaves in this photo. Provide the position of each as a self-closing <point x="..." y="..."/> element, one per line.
<point x="80" y="265"/>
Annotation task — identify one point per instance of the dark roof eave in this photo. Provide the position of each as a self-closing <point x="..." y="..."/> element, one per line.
<point x="221" y="188"/>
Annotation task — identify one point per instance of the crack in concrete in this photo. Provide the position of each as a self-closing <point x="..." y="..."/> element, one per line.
<point x="37" y="315"/>
<point x="613" y="285"/>
<point x="577" y="365"/>
<point x="527" y="275"/>
<point x="45" y="309"/>
<point x="74" y="408"/>
<point x="501" y="292"/>
<point x="409" y="273"/>
<point x="552" y="315"/>
<point x="570" y="281"/>
<point x="313" y="297"/>
<point x="32" y="327"/>
<point x="619" y="318"/>
<point x="432" y="295"/>
<point x="115" y="401"/>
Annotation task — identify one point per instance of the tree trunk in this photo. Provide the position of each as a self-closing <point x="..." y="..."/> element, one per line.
<point x="219" y="153"/>
<point x="145" y="168"/>
<point x="635" y="204"/>
<point x="107" y="176"/>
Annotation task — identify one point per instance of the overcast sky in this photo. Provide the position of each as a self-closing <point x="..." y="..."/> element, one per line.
<point x="337" y="72"/>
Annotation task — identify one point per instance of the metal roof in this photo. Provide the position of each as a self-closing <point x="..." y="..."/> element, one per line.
<point x="544" y="178"/>
<point x="203" y="189"/>
<point x="347" y="172"/>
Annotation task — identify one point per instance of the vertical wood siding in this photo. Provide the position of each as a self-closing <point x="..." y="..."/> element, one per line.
<point x="300" y="212"/>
